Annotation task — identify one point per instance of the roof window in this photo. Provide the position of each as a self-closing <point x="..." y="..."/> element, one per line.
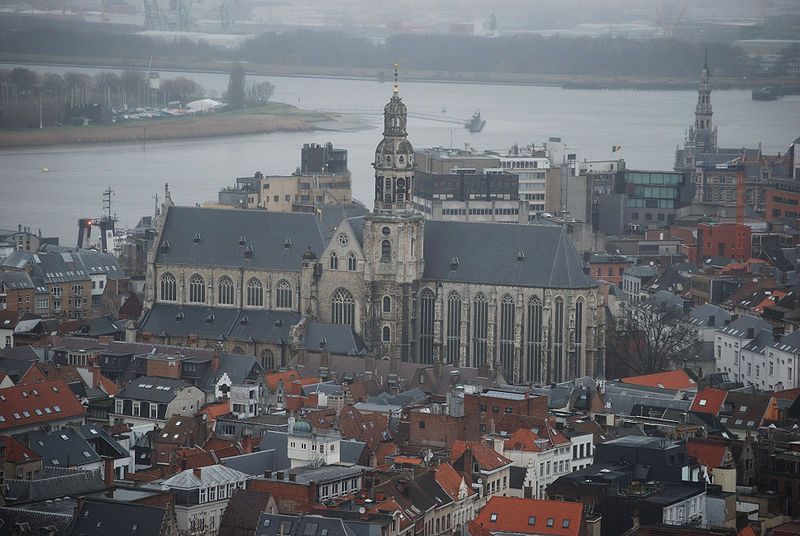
<point x="531" y="520"/>
<point x="493" y="517"/>
<point x="551" y="521"/>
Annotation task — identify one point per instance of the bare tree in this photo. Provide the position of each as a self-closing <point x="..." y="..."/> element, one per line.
<point x="259" y="94"/>
<point x="650" y="337"/>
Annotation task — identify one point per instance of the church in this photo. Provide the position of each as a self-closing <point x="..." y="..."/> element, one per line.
<point x="509" y="299"/>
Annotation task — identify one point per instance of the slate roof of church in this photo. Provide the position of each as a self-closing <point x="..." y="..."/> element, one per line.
<point x="489" y="253"/>
<point x="220" y="231"/>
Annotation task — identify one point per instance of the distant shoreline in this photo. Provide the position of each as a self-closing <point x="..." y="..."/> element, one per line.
<point x="275" y="117"/>
<point x="353" y="73"/>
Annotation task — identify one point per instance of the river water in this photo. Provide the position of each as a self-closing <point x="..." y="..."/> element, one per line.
<point x="647" y="124"/>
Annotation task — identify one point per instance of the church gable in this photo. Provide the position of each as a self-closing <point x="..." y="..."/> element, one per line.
<point x="344" y="247"/>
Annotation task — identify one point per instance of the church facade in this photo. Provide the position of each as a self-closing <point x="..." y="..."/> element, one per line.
<point x="510" y="299"/>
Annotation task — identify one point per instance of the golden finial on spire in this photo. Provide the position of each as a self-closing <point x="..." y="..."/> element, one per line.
<point x="395" y="89"/>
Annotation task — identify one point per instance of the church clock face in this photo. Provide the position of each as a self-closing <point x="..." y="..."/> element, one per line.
<point x="343" y="239"/>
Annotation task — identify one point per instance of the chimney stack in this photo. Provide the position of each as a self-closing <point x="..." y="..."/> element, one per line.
<point x="108" y="470"/>
<point x="198" y="472"/>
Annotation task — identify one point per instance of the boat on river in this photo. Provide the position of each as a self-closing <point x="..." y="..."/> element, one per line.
<point x="476" y="123"/>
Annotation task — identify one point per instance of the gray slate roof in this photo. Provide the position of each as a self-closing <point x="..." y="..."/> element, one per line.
<point x="61" y="448"/>
<point x="789" y="343"/>
<point x="302" y="525"/>
<point x="738" y="328"/>
<point x="102" y="517"/>
<point x="220" y="231"/>
<point x="255" y="463"/>
<point x="340" y="338"/>
<point x="489" y="253"/>
<point x="237" y="367"/>
<point x="215" y="322"/>
<point x="152" y="389"/>
<point x="16" y="280"/>
<point x="51" y="483"/>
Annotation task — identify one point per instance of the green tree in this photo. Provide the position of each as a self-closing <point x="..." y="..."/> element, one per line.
<point x="236" y="89"/>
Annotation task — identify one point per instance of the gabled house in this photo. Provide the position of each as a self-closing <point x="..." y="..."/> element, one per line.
<point x="50" y="405"/>
<point x="97" y="517"/>
<point x="16" y="460"/>
<point x="153" y="400"/>
<point x="513" y="515"/>
<point x="482" y="465"/>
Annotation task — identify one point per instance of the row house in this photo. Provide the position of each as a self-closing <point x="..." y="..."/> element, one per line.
<point x="153" y="400"/>
<point x="49" y="405"/>
<point x="482" y="465"/>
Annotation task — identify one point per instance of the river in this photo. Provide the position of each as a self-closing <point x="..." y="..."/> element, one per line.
<point x="647" y="124"/>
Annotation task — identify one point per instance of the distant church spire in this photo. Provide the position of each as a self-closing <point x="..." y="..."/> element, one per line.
<point x="704" y="131"/>
<point x="394" y="157"/>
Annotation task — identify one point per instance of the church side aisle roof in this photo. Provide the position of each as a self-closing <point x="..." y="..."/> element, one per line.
<point x="489" y="253"/>
<point x="211" y="237"/>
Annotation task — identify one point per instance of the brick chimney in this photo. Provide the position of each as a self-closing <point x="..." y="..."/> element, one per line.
<point x="108" y="471"/>
<point x="198" y="472"/>
<point x="215" y="360"/>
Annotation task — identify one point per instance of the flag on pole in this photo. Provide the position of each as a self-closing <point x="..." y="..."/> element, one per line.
<point x="615" y="148"/>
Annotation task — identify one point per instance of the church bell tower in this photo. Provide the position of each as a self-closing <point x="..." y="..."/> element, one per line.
<point x="394" y="159"/>
<point x="393" y="241"/>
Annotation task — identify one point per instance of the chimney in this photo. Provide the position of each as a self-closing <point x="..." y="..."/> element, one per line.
<point x="777" y="333"/>
<point x="712" y="321"/>
<point x="198" y="472"/>
<point x="751" y="333"/>
<point x="268" y="474"/>
<point x="279" y="475"/>
<point x="292" y="476"/>
<point x="215" y="360"/>
<point x="394" y="365"/>
<point x="108" y="471"/>
<point x="325" y="358"/>
<point x="635" y="519"/>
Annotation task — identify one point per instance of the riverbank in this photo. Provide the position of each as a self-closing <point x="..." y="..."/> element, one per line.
<point x="274" y="117"/>
<point x="415" y="75"/>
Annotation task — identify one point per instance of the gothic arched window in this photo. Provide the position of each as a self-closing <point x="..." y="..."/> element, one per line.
<point x="225" y="291"/>
<point x="427" y="305"/>
<point x="169" y="287"/>
<point x="387" y="304"/>
<point x="453" y="328"/>
<point x="480" y="330"/>
<point x="197" y="289"/>
<point x="387" y="334"/>
<point x="255" y="293"/>
<point x="268" y="360"/>
<point x="386" y="251"/>
<point x="334" y="262"/>
<point x="578" y="326"/>
<point x="507" y="317"/>
<point x="351" y="261"/>
<point x="533" y="347"/>
<point x="558" y="340"/>
<point x="343" y="307"/>
<point x="283" y="298"/>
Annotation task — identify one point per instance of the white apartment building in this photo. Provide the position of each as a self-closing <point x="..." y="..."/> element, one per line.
<point x="532" y="172"/>
<point x="729" y="345"/>
<point x="771" y="363"/>
<point x="309" y="447"/>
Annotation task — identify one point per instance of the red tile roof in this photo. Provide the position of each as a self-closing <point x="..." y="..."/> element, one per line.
<point x="787" y="394"/>
<point x="672" y="379"/>
<point x="487" y="458"/>
<point x="16" y="452"/>
<point x="708" y="401"/>
<point x="216" y="410"/>
<point x="708" y="453"/>
<point x="42" y="402"/>
<point x="524" y="440"/>
<point x="475" y="529"/>
<point x="450" y="481"/>
<point x="407" y="460"/>
<point x="531" y="516"/>
<point x="273" y="378"/>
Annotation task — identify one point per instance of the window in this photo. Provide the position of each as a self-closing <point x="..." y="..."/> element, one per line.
<point x="480" y="330"/>
<point x="284" y="295"/>
<point x="534" y="370"/>
<point x="225" y="291"/>
<point x="531" y="520"/>
<point x="453" y="329"/>
<point x="387" y="304"/>
<point x="197" y="289"/>
<point x="493" y="517"/>
<point x="421" y="424"/>
<point x="387" y="334"/>
<point x="351" y="261"/>
<point x="386" y="251"/>
<point x="565" y="524"/>
<point x="551" y="521"/>
<point x="507" y="316"/>
<point x="255" y="293"/>
<point x="334" y="261"/>
<point x="342" y="307"/>
<point x="168" y="287"/>
<point x="558" y="340"/>
<point x="427" y="308"/>
<point x="153" y="411"/>
<point x="268" y="360"/>
<point x="118" y="406"/>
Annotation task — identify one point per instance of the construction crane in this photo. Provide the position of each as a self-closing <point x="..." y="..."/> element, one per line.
<point x="668" y="30"/>
<point x="178" y="16"/>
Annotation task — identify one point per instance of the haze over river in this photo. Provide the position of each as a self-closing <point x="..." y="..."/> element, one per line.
<point x="647" y="124"/>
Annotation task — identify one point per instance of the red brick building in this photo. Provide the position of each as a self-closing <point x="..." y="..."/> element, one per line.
<point x="721" y="239"/>
<point x="609" y="267"/>
<point x="491" y="404"/>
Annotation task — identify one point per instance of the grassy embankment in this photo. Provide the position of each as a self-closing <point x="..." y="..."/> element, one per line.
<point x="273" y="117"/>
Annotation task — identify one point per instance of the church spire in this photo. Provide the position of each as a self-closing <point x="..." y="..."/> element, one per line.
<point x="394" y="157"/>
